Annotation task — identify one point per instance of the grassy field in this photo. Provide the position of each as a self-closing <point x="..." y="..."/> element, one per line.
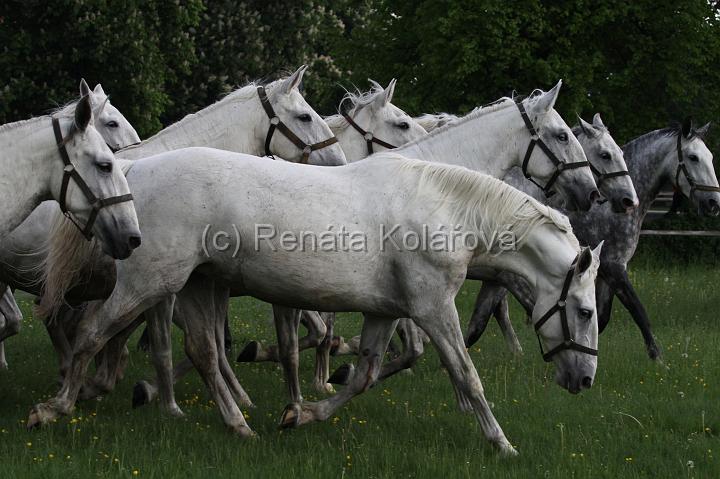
<point x="639" y="420"/>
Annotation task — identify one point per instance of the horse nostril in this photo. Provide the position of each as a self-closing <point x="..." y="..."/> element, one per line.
<point x="586" y="382"/>
<point x="134" y="241"/>
<point x="628" y="203"/>
<point x="594" y="196"/>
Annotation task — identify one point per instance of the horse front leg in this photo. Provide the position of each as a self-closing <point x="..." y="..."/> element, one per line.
<point x="604" y="295"/>
<point x="446" y="335"/>
<point x="287" y="321"/>
<point x="629" y="298"/>
<point x="100" y="322"/>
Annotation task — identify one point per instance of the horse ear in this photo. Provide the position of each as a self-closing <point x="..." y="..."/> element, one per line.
<point x="584" y="262"/>
<point x="598" y="250"/>
<point x="546" y="102"/>
<point x="389" y="92"/>
<point x="702" y="131"/>
<point x="597" y="121"/>
<point x="98" y="90"/>
<point x="293" y="81"/>
<point x="687" y="127"/>
<point x="83" y="113"/>
<point x="84" y="88"/>
<point x="587" y="128"/>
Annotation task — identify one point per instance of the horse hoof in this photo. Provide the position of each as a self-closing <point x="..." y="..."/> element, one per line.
<point x="40" y="414"/>
<point x="506" y="450"/>
<point x="244" y="432"/>
<point x="290" y="416"/>
<point x="140" y="395"/>
<point x="175" y="411"/>
<point x="342" y="375"/>
<point x="250" y="353"/>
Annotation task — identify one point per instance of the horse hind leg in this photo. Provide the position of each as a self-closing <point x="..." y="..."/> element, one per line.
<point x="485" y="305"/>
<point x="201" y="346"/>
<point x="376" y="334"/>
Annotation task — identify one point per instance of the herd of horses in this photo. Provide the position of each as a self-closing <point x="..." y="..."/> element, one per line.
<point x="109" y="233"/>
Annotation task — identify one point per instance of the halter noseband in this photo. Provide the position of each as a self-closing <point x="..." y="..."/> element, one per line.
<point x="277" y="124"/>
<point x="694" y="186"/>
<point x="369" y="137"/>
<point x="601" y="177"/>
<point x="536" y="140"/>
<point x="568" y="341"/>
<point x="71" y="172"/>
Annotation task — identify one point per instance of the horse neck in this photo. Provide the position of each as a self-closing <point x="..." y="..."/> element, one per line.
<point x="29" y="159"/>
<point x="232" y="124"/>
<point x="352" y="143"/>
<point x="487" y="143"/>
<point x="542" y="260"/>
<point x="649" y="164"/>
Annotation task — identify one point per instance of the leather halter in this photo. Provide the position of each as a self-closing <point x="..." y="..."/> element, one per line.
<point x="694" y="186"/>
<point x="601" y="177"/>
<point x="70" y="172"/>
<point x="536" y="140"/>
<point x="561" y="305"/>
<point x="277" y="124"/>
<point x="369" y="137"/>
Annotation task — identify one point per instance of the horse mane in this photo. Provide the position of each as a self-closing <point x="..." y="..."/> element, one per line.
<point x="357" y="100"/>
<point x="431" y="121"/>
<point x="484" y="204"/>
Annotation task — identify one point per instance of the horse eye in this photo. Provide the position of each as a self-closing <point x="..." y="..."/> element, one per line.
<point x="403" y="126"/>
<point x="605" y="156"/>
<point x="105" y="167"/>
<point x="586" y="313"/>
<point x="112" y="124"/>
<point x="693" y="158"/>
<point x="305" y="117"/>
<point x="562" y="137"/>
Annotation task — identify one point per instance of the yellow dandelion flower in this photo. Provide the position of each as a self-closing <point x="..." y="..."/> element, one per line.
<point x="135" y="472"/>
<point x="28" y="444"/>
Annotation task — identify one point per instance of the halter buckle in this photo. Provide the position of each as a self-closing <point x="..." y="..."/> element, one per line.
<point x="69" y="168"/>
<point x="561" y="303"/>
<point x="274" y="121"/>
<point x="307" y="150"/>
<point x="368" y="136"/>
<point x="568" y="342"/>
<point x="560" y="166"/>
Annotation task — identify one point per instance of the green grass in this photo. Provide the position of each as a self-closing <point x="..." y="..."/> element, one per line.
<point x="639" y="420"/>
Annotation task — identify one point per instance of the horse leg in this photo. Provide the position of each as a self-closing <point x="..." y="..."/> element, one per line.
<point x="100" y="322"/>
<point x="221" y="300"/>
<point x="502" y="315"/>
<point x="340" y="347"/>
<point x="604" y="298"/>
<point x="228" y="334"/>
<point x="322" y="356"/>
<point x="57" y="328"/>
<point x="159" y="322"/>
<point x="627" y="295"/>
<point x="10" y="312"/>
<point x="446" y="335"/>
<point x="201" y="347"/>
<point x="287" y="321"/>
<point x="376" y="334"/>
<point x="485" y="304"/>
<point x="109" y="363"/>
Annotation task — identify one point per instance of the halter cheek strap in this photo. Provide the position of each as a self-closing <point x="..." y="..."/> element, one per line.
<point x="369" y="137"/>
<point x="277" y="124"/>
<point x="682" y="167"/>
<point x="536" y="140"/>
<point x="70" y="172"/>
<point x="561" y="307"/>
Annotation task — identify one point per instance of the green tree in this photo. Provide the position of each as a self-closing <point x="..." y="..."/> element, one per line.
<point x="135" y="48"/>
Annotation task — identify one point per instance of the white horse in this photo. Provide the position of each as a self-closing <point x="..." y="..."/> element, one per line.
<point x="15" y="260"/>
<point x="493" y="140"/>
<point x="63" y="157"/>
<point x="384" y="200"/>
<point x="238" y="122"/>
